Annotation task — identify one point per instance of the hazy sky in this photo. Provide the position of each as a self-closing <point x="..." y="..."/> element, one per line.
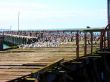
<point x="52" y="14"/>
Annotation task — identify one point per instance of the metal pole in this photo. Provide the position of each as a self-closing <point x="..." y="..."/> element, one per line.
<point x="18" y="20"/>
<point x="18" y="27"/>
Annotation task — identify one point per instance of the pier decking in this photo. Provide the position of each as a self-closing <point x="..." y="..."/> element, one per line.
<point x="18" y="64"/>
<point x="14" y="67"/>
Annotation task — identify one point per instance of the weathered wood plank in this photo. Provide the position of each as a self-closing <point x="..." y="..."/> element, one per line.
<point x="21" y="67"/>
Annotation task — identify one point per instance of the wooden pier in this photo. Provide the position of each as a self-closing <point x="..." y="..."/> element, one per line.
<point x="73" y="61"/>
<point x="21" y="64"/>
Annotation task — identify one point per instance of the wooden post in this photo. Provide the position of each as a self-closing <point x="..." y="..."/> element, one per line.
<point x="104" y="40"/>
<point x="85" y="43"/>
<point x="101" y="40"/>
<point x="77" y="45"/>
<point x="91" y="42"/>
<point x="1" y="42"/>
<point x="71" y="37"/>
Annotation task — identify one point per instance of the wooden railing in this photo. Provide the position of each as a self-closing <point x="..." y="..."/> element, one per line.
<point x="105" y="38"/>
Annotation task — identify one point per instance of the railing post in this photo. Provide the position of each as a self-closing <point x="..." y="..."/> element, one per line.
<point x="108" y="37"/>
<point x="1" y="42"/>
<point x="101" y="40"/>
<point x="91" y="42"/>
<point x="104" y="39"/>
<point x="77" y="45"/>
<point x="85" y="43"/>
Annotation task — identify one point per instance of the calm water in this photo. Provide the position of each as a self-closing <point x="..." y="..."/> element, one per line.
<point x="5" y="46"/>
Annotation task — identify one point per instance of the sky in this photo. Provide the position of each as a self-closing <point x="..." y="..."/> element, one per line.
<point x="52" y="14"/>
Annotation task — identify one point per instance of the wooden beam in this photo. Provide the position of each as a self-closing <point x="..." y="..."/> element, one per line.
<point x="85" y="43"/>
<point x="77" y="45"/>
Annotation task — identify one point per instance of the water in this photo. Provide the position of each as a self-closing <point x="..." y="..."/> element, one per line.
<point x="5" y="46"/>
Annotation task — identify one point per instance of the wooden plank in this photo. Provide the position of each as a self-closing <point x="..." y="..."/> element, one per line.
<point x="17" y="70"/>
<point x="14" y="73"/>
<point x="21" y="67"/>
<point x="34" y="64"/>
<point x="8" y="77"/>
<point x="4" y="80"/>
<point x="23" y="63"/>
